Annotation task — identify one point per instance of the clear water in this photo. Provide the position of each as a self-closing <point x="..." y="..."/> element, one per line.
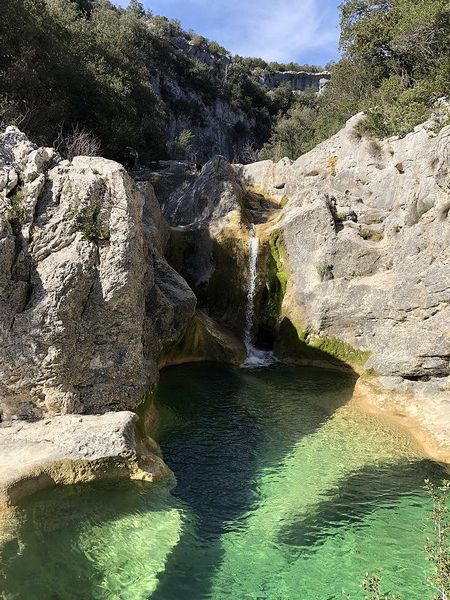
<point x="284" y="492"/>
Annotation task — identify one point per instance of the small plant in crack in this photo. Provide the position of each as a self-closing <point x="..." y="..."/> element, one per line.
<point x="16" y="210"/>
<point x="89" y="221"/>
<point x="325" y="271"/>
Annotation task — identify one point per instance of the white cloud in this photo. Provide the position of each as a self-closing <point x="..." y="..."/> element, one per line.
<point x="275" y="30"/>
<point x="281" y="30"/>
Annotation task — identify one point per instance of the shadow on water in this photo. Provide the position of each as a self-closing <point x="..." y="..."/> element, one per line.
<point x="226" y="433"/>
<point x="354" y="498"/>
<point x="225" y="424"/>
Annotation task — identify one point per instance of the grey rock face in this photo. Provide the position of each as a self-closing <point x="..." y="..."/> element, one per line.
<point x="217" y="126"/>
<point x="366" y="229"/>
<point x="214" y="194"/>
<point x="86" y="298"/>
<point x="301" y="81"/>
<point x="375" y="215"/>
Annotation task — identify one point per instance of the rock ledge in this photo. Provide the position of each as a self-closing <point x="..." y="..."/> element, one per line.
<point x="71" y="449"/>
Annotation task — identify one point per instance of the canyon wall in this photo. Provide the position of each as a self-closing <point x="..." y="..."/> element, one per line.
<point x="301" y="81"/>
<point x="101" y="276"/>
<point x="365" y="232"/>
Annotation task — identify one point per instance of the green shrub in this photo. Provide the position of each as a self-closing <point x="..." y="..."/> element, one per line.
<point x="325" y="271"/>
<point x="90" y="222"/>
<point x="182" y="145"/>
<point x="16" y="211"/>
<point x="395" y="64"/>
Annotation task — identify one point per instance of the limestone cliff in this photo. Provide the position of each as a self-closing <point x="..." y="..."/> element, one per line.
<point x="87" y="305"/>
<point x="366" y="237"/>
<point x="88" y="301"/>
<point x="300" y="81"/>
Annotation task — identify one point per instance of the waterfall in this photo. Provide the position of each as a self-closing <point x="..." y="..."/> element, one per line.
<point x="253" y="258"/>
<point x="255" y="357"/>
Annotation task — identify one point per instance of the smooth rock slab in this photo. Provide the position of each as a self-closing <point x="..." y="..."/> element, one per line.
<point x="70" y="449"/>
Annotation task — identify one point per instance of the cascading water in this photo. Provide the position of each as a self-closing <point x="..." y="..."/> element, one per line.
<point x="255" y="357"/>
<point x="253" y="257"/>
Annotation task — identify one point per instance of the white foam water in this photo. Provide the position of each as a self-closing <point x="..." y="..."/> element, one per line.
<point x="255" y="358"/>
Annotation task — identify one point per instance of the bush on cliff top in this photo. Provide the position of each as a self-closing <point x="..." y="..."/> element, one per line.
<point x="395" y="64"/>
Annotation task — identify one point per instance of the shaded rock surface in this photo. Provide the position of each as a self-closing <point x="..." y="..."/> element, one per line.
<point x="206" y="340"/>
<point x="209" y="240"/>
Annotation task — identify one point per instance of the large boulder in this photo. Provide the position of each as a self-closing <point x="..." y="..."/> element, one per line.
<point x="87" y="301"/>
<point x="71" y="449"/>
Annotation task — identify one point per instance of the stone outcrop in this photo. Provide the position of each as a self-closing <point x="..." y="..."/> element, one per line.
<point x="206" y="340"/>
<point x="87" y="300"/>
<point x="197" y="49"/>
<point x="88" y="305"/>
<point x="366" y="235"/>
<point x="72" y="449"/>
<point x="301" y="81"/>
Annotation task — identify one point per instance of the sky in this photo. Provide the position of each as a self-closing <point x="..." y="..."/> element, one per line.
<point x="304" y="31"/>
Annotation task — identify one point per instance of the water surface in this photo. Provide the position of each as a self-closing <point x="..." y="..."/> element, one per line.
<point x="284" y="492"/>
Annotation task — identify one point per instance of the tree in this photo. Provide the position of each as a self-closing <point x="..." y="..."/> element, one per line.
<point x="183" y="145"/>
<point x="137" y="8"/>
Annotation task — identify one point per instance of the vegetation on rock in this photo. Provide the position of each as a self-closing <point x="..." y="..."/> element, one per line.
<point x="182" y="145"/>
<point x="117" y="75"/>
<point x="16" y="211"/>
<point x="301" y="345"/>
<point x="395" y="65"/>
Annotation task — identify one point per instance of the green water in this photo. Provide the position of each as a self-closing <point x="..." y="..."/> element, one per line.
<point x="284" y="492"/>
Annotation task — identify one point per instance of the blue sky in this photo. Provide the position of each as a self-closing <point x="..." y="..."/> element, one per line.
<point x="305" y="31"/>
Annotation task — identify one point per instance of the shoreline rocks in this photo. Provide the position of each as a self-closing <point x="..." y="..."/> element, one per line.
<point x="71" y="449"/>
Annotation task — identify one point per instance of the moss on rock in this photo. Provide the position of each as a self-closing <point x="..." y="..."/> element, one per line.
<point x="279" y="255"/>
<point x="340" y="350"/>
<point x="271" y="294"/>
<point x="295" y="344"/>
